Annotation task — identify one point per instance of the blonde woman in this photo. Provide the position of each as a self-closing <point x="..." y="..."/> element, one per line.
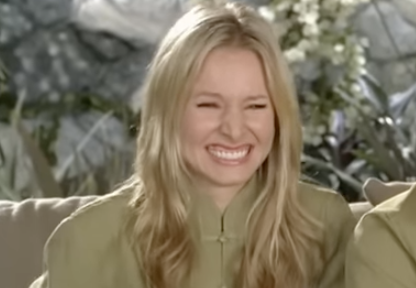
<point x="215" y="200"/>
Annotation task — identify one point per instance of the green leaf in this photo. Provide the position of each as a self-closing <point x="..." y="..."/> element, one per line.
<point x="355" y="167"/>
<point x="43" y="173"/>
<point x="350" y="100"/>
<point x="351" y="181"/>
<point x="70" y="160"/>
<point x="374" y="94"/>
<point x="6" y="192"/>
<point x="41" y="168"/>
<point x="13" y="167"/>
<point x="386" y="162"/>
<point x="392" y="143"/>
<point x="2" y="157"/>
<point x="400" y="101"/>
<point x="88" y="186"/>
<point x="367" y="157"/>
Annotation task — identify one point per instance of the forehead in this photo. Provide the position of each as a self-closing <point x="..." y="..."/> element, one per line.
<point x="232" y="71"/>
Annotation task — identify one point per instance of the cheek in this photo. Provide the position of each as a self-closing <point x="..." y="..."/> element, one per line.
<point x="264" y="127"/>
<point x="194" y="129"/>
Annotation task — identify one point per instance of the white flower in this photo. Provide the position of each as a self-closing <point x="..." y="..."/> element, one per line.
<point x="362" y="71"/>
<point x="309" y="18"/>
<point x="310" y="30"/>
<point x="358" y="49"/>
<point x="267" y="13"/>
<point x="407" y="152"/>
<point x="339" y="48"/>
<point x="325" y="37"/>
<point x="360" y="60"/>
<point x="355" y="88"/>
<point x="348" y="2"/>
<point x="294" y="55"/>
<point x="311" y="136"/>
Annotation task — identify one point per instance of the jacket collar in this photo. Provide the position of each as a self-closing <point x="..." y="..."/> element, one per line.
<point x="212" y="222"/>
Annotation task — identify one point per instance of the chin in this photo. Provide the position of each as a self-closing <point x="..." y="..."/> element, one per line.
<point x="230" y="179"/>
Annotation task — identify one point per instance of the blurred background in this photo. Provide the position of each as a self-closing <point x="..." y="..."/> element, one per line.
<point x="69" y="70"/>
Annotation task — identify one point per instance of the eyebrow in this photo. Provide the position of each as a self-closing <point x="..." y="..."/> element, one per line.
<point x="210" y="94"/>
<point x="257" y="97"/>
<point x="218" y="95"/>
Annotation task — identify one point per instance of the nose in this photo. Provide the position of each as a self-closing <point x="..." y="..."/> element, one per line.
<point x="232" y="124"/>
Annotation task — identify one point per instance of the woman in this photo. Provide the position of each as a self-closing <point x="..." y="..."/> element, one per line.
<point x="216" y="199"/>
<point x="382" y="252"/>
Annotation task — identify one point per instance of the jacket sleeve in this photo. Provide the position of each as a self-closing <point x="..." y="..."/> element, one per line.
<point x="339" y="226"/>
<point x="67" y="260"/>
<point x="376" y="257"/>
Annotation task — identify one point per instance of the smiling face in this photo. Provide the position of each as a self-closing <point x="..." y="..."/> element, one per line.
<point x="228" y="125"/>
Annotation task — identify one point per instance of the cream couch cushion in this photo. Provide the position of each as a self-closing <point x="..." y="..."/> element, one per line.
<point x="24" y="229"/>
<point x="360" y="208"/>
<point x="377" y="191"/>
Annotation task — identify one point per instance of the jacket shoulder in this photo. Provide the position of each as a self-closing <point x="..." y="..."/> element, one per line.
<point x="105" y="209"/>
<point x="90" y="247"/>
<point x="322" y="202"/>
<point x="104" y="216"/>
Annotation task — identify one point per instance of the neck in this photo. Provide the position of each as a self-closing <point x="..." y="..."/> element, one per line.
<point x="223" y="196"/>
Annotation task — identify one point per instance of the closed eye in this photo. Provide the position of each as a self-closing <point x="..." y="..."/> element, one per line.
<point x="257" y="106"/>
<point x="207" y="105"/>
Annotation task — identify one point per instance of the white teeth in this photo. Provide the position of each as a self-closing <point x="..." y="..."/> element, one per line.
<point x="235" y="155"/>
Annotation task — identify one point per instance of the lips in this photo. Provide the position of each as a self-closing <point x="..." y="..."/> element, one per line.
<point x="233" y="154"/>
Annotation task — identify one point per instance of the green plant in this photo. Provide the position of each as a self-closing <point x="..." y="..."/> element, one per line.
<point x="2" y="77"/>
<point x="37" y="154"/>
<point x="53" y="181"/>
<point x="325" y="55"/>
<point x="360" y="144"/>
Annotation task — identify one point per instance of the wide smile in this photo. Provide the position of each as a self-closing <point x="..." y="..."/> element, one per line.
<point x="229" y="156"/>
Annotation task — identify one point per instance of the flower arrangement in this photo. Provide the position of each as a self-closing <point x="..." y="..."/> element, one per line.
<point x="315" y="36"/>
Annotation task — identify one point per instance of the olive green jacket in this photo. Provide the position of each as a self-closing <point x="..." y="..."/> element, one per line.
<point x="382" y="253"/>
<point x="91" y="250"/>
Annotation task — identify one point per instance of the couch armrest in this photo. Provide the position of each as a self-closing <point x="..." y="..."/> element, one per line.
<point x="360" y="208"/>
<point x="377" y="191"/>
<point x="25" y="227"/>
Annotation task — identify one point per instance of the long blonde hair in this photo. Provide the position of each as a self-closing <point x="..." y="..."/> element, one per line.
<point x="283" y="244"/>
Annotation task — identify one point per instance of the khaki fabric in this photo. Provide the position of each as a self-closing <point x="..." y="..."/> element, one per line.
<point x="377" y="191"/>
<point x="91" y="249"/>
<point x="24" y="228"/>
<point x="382" y="253"/>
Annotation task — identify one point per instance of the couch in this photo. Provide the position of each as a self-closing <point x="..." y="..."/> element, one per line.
<point x="25" y="226"/>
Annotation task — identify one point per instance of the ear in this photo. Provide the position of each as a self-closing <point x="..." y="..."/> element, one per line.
<point x="377" y="191"/>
